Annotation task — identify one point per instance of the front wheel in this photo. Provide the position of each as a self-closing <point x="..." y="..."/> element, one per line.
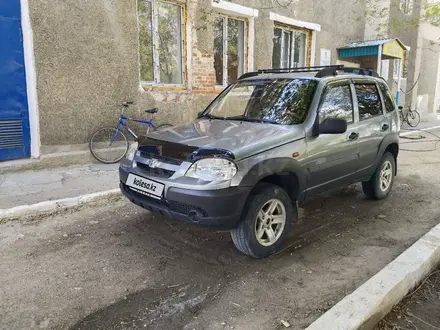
<point x="108" y="145"/>
<point x="413" y="118"/>
<point x="380" y="184"/>
<point x="265" y="223"/>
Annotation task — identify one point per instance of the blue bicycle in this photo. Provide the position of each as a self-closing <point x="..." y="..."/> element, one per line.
<point x="109" y="144"/>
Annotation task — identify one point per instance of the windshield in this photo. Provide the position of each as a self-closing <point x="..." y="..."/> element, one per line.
<point x="278" y="101"/>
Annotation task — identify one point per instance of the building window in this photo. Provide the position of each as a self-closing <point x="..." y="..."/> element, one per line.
<point x="289" y="48"/>
<point x="229" y="49"/>
<point x="406" y="6"/>
<point x="160" y="42"/>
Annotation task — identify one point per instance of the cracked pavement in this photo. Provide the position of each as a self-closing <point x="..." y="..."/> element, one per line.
<point x="31" y="187"/>
<point x="117" y="266"/>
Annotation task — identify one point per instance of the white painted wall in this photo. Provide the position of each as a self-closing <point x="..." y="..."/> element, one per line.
<point x="373" y="23"/>
<point x="430" y="32"/>
<point x="31" y="79"/>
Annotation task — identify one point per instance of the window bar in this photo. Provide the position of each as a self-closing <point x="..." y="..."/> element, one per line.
<point x="225" y="50"/>
<point x="282" y="50"/>
<point x="183" y="52"/>
<point x="241" y="51"/>
<point x="289" y="50"/>
<point x="292" y="56"/>
<point x="155" y="23"/>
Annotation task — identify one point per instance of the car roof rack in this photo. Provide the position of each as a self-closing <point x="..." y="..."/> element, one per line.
<point x="326" y="72"/>
<point x="322" y="71"/>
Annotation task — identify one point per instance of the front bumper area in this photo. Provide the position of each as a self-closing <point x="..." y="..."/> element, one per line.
<point x="213" y="208"/>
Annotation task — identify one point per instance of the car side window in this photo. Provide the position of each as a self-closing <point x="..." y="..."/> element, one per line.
<point x="369" y="101"/>
<point x="389" y="103"/>
<point x="337" y="103"/>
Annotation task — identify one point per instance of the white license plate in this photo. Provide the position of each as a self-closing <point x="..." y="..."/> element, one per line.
<point x="145" y="186"/>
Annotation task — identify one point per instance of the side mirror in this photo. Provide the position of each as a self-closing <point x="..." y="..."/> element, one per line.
<point x="333" y="126"/>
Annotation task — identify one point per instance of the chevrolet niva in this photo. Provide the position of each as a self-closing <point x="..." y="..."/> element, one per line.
<point x="268" y="143"/>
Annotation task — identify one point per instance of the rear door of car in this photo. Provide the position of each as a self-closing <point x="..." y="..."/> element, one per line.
<point x="373" y="124"/>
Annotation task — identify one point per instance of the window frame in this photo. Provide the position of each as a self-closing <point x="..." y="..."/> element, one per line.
<point x="406" y="7"/>
<point x="384" y="96"/>
<point x="291" y="28"/>
<point x="368" y="82"/>
<point x="340" y="83"/>
<point x="155" y="40"/>
<point x="245" y="21"/>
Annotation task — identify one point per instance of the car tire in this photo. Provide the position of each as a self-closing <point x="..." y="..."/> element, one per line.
<point x="380" y="184"/>
<point x="261" y="233"/>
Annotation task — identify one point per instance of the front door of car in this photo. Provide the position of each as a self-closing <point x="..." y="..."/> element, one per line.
<point x="332" y="159"/>
<point x="373" y="125"/>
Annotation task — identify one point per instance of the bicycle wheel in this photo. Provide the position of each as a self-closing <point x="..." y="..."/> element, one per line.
<point x="413" y="118"/>
<point x="162" y="126"/>
<point x="401" y="118"/>
<point x="108" y="145"/>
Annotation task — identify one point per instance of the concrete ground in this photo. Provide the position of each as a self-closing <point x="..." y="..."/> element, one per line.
<point x="31" y="187"/>
<point x="423" y="124"/>
<point x="117" y="266"/>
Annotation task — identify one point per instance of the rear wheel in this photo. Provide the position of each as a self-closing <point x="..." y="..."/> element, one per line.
<point x="108" y="145"/>
<point x="413" y="118"/>
<point x="265" y="223"/>
<point x="380" y="184"/>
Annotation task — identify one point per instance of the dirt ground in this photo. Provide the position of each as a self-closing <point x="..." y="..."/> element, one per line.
<point x="117" y="266"/>
<point x="420" y="310"/>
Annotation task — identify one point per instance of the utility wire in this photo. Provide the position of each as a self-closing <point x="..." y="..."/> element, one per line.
<point x="421" y="139"/>
<point x="411" y="89"/>
<point x="274" y="6"/>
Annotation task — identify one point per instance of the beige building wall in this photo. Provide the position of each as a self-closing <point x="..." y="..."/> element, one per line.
<point x="87" y="58"/>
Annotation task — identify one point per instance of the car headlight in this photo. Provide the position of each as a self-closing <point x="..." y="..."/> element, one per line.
<point x="212" y="169"/>
<point x="132" y="151"/>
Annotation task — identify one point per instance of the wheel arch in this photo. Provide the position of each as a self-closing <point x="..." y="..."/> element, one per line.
<point x="389" y="144"/>
<point x="284" y="172"/>
<point x="393" y="148"/>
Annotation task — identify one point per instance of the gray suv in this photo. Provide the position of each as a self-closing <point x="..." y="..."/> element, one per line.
<point x="268" y="143"/>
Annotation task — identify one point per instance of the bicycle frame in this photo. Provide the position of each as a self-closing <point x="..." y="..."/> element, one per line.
<point x="405" y="116"/>
<point x="122" y="122"/>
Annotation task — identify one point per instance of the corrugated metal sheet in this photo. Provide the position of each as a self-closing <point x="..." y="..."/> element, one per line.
<point x="364" y="48"/>
<point x="367" y="43"/>
<point x="358" y="51"/>
<point x="14" y="122"/>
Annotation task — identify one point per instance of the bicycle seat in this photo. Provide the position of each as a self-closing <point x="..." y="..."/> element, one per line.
<point x="154" y="110"/>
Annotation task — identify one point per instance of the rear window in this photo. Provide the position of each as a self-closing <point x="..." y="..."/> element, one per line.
<point x="369" y="101"/>
<point x="389" y="103"/>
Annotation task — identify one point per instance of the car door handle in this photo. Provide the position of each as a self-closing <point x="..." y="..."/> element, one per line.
<point x="385" y="127"/>
<point x="353" y="136"/>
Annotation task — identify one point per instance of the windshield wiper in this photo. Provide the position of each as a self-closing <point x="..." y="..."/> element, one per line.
<point x="209" y="116"/>
<point x="253" y="120"/>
